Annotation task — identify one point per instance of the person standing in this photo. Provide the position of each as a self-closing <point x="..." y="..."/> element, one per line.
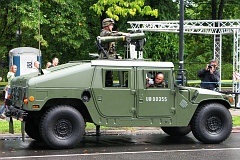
<point x="107" y="30"/>
<point x="36" y="66"/>
<point x="10" y="76"/>
<point x="54" y="62"/>
<point x="209" y="76"/>
<point x="4" y="106"/>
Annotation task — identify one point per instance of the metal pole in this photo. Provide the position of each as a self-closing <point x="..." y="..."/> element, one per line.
<point x="19" y="36"/>
<point x="18" y="32"/>
<point x="181" y="45"/>
<point x="39" y="35"/>
<point x="39" y="25"/>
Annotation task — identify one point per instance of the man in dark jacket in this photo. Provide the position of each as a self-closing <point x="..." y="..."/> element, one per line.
<point x="209" y="76"/>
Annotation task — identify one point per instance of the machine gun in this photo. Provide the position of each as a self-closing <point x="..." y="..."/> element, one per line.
<point x="137" y="39"/>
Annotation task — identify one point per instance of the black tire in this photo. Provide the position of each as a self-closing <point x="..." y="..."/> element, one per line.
<point x="62" y="127"/>
<point x="212" y="123"/>
<point x="32" y="129"/>
<point x="177" y="131"/>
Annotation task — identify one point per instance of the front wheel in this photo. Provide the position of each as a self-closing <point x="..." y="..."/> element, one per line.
<point x="212" y="123"/>
<point x="62" y="127"/>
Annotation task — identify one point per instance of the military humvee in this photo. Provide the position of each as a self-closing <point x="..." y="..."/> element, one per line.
<point x="55" y="106"/>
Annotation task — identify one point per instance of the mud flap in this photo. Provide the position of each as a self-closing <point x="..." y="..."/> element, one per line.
<point x="11" y="129"/>
<point x="23" y="130"/>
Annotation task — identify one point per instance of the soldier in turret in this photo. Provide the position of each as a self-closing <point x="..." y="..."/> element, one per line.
<point x="109" y="48"/>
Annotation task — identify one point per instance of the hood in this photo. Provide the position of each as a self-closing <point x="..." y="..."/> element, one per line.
<point x="205" y="91"/>
<point x="197" y="95"/>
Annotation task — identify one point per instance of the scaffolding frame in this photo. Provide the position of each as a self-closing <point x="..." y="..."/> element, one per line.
<point x="217" y="28"/>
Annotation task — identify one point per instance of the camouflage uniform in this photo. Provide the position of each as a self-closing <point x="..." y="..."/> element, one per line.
<point x="109" y="48"/>
<point x="159" y="85"/>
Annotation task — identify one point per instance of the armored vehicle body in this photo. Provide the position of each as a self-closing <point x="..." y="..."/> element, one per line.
<point x="55" y="106"/>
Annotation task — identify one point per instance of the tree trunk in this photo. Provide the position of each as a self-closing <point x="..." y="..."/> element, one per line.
<point x="220" y="10"/>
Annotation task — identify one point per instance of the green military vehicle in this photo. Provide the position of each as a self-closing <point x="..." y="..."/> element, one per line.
<point x="54" y="107"/>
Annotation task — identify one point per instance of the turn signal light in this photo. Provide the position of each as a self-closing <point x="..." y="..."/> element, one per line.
<point x="231" y="100"/>
<point x="31" y="98"/>
<point x="35" y="106"/>
<point x="25" y="101"/>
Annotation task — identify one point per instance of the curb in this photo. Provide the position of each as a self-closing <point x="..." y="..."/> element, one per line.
<point x="236" y="129"/>
<point x="134" y="131"/>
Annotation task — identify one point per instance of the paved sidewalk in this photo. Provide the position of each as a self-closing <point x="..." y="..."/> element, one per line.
<point x="235" y="112"/>
<point x="133" y="130"/>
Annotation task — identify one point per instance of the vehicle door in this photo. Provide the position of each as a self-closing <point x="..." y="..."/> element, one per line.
<point x="113" y="91"/>
<point x="154" y="101"/>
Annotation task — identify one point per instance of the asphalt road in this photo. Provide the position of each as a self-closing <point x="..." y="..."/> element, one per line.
<point x="136" y="146"/>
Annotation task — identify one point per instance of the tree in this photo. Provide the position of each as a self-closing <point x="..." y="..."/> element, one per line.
<point x="60" y="27"/>
<point x="116" y="8"/>
<point x="66" y="29"/>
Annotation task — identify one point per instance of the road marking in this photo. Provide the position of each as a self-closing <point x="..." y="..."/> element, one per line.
<point x="119" y="153"/>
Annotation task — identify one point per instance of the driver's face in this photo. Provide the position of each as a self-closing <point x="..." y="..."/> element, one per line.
<point x="159" y="78"/>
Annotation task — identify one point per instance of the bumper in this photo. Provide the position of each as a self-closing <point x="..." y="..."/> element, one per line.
<point x="19" y="115"/>
<point x="16" y="113"/>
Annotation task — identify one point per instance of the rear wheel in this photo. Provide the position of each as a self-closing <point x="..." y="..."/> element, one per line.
<point x="177" y="131"/>
<point x="212" y="123"/>
<point x="62" y="127"/>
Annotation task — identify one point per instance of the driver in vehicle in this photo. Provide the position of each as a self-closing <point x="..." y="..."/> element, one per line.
<point x="158" y="81"/>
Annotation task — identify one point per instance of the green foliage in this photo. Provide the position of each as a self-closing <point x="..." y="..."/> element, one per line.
<point x="67" y="29"/>
<point x="116" y="8"/>
<point x="161" y="46"/>
<point x="59" y="26"/>
<point x="204" y="9"/>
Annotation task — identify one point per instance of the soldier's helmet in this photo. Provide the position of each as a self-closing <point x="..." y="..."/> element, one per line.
<point x="107" y="22"/>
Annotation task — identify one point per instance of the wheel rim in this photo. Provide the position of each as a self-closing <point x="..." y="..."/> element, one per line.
<point x="63" y="128"/>
<point x="214" y="124"/>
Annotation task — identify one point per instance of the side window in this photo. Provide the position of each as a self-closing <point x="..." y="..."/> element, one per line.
<point x="156" y="79"/>
<point x="116" y="78"/>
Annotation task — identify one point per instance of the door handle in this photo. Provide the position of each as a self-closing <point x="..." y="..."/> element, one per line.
<point x="99" y="98"/>
<point x="141" y="98"/>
